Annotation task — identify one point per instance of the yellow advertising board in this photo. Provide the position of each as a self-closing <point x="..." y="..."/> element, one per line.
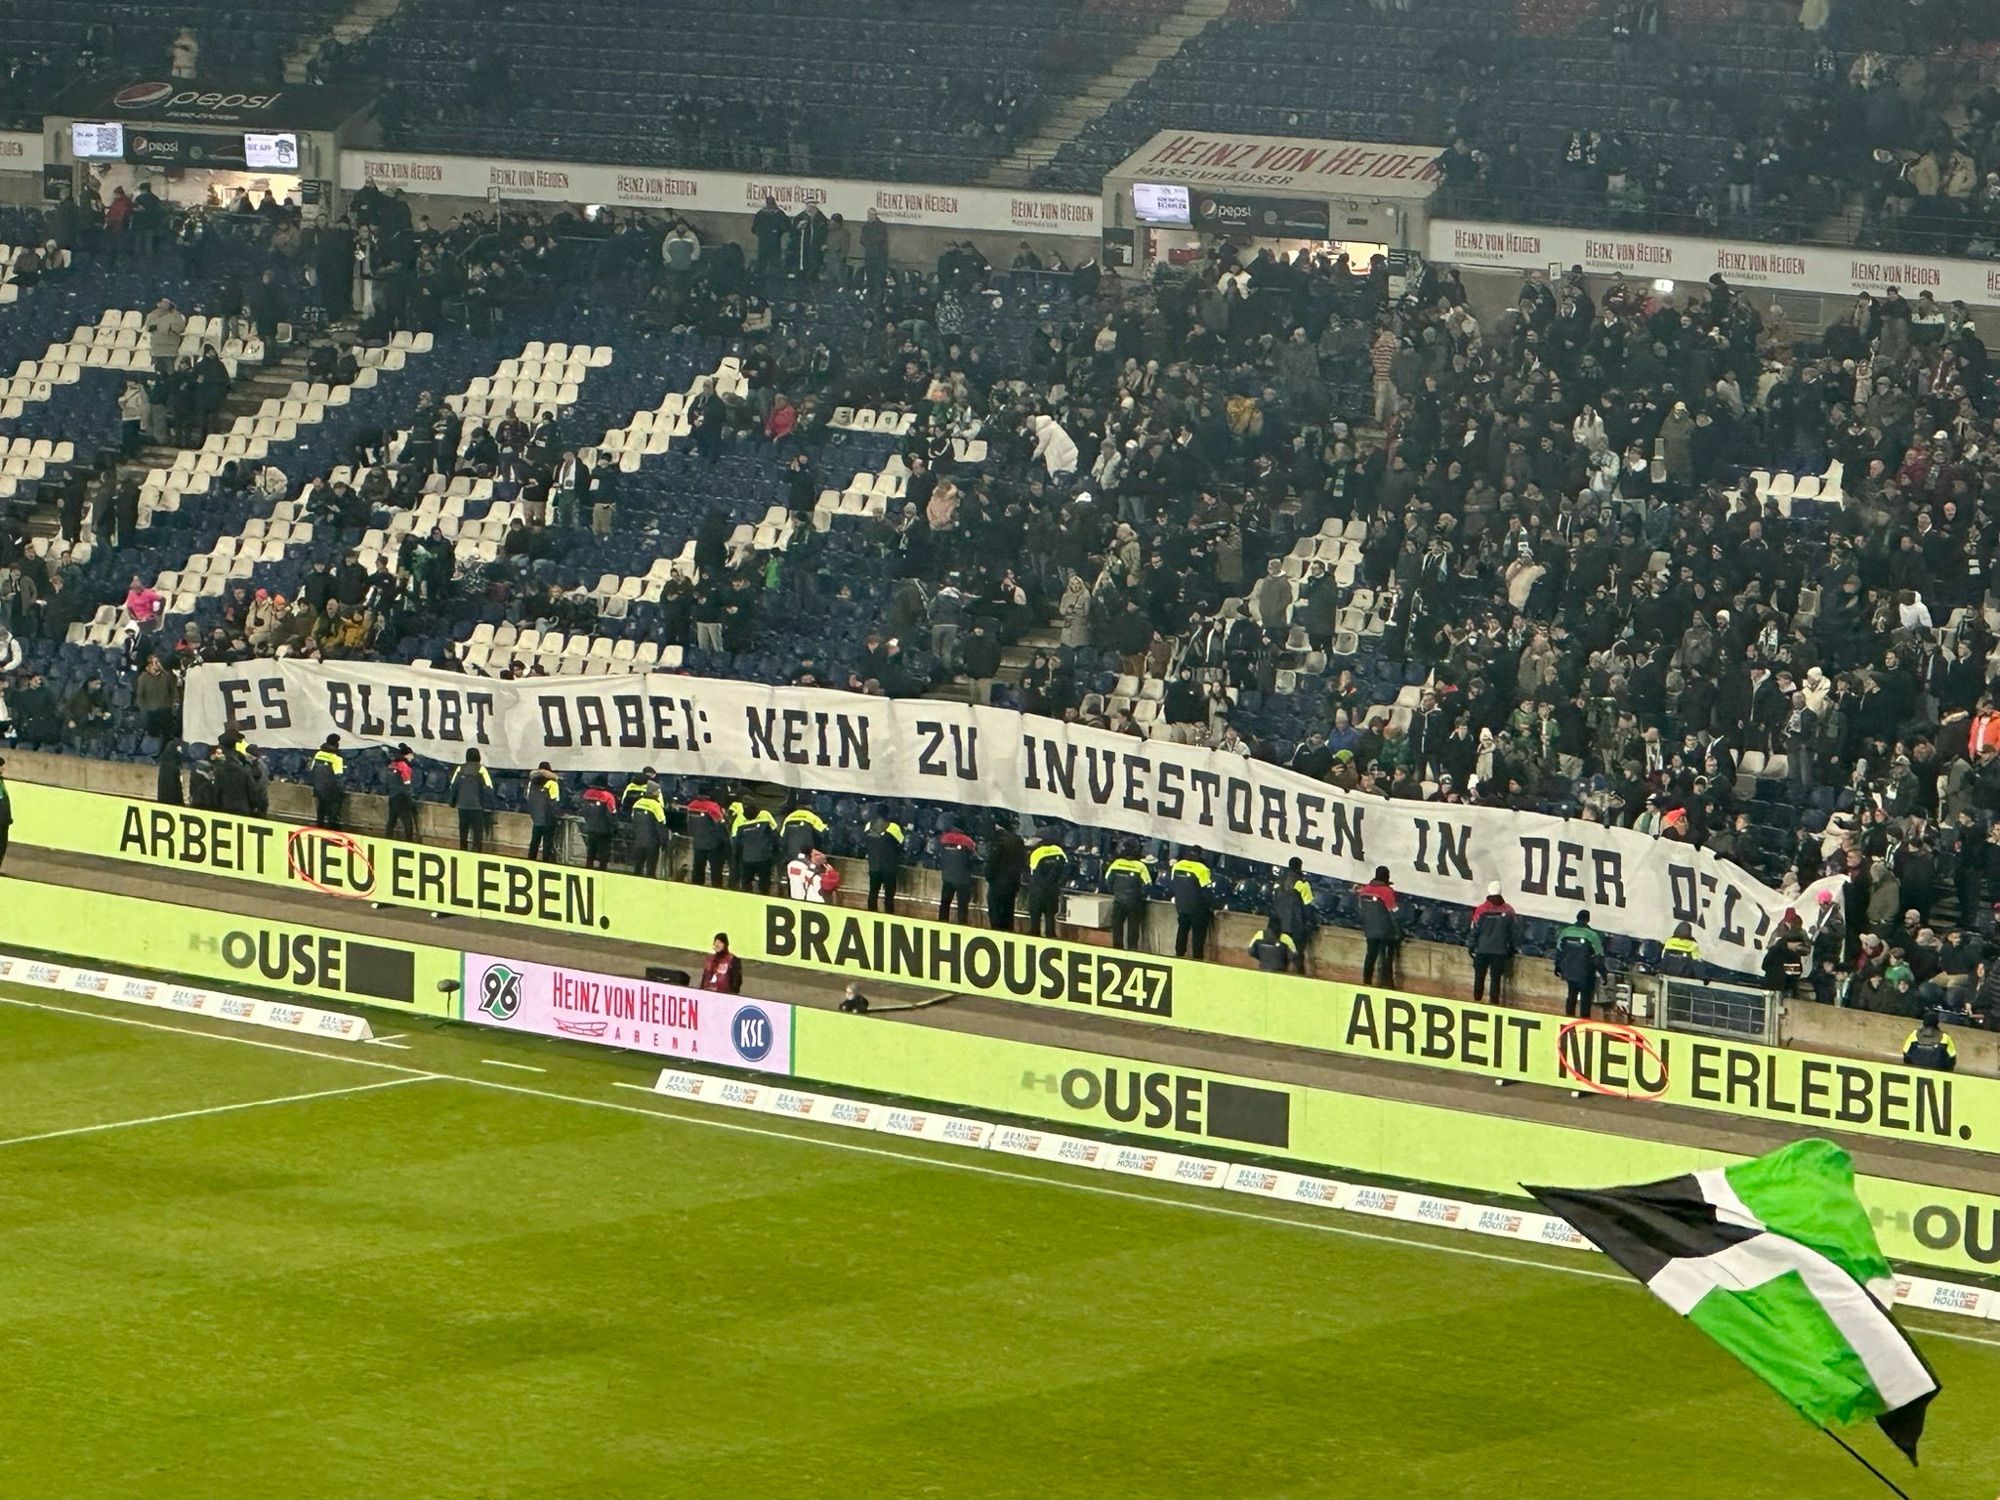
<point x="1814" y="1091"/>
<point x="126" y="932"/>
<point x="1235" y="1116"/>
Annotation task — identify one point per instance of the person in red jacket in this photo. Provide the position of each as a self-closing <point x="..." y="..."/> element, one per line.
<point x="958" y="854"/>
<point x="1491" y="938"/>
<point x="722" y="971"/>
<point x="708" y="832"/>
<point x="1381" y="926"/>
<point x="600" y="824"/>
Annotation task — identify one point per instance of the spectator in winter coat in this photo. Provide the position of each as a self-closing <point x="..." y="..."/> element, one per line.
<point x="170" y="788"/>
<point x="142" y="602"/>
<point x="164" y="326"/>
<point x="722" y="970"/>
<point x="805" y="876"/>
<point x="1492" y="938"/>
<point x="1054" y="448"/>
<point x="153" y="695"/>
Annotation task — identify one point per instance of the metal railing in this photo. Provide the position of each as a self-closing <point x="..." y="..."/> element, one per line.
<point x="1737" y="1012"/>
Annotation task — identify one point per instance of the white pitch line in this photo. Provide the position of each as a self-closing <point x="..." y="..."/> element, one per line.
<point x="217" y="1036"/>
<point x="913" y="1158"/>
<point x="395" y="1041"/>
<point x="494" y="1062"/>
<point x="214" y="1109"/>
<point x="1097" y="1188"/>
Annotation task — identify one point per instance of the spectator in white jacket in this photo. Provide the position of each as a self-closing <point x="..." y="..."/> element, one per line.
<point x="1054" y="447"/>
<point x="804" y="877"/>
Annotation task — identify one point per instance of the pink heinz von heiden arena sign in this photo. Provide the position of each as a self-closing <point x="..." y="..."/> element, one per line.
<point x="609" y="1010"/>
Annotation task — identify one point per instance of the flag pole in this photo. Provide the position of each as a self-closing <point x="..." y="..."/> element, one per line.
<point x="1891" y="1484"/>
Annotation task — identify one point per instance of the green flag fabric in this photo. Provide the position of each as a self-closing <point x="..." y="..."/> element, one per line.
<point x="1776" y="1261"/>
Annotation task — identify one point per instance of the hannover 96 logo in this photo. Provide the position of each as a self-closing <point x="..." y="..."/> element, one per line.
<point x="500" y="992"/>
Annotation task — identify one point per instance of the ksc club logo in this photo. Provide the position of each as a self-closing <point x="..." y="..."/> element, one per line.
<point x="500" y="992"/>
<point x="750" y="1030"/>
<point x="142" y="95"/>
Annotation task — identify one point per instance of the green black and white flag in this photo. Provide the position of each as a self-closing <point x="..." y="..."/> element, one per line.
<point x="1776" y="1261"/>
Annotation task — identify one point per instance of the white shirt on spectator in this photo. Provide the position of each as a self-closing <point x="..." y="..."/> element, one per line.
<point x="802" y="879"/>
<point x="1915" y="615"/>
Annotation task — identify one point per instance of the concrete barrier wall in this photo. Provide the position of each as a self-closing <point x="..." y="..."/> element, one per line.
<point x="1335" y="953"/>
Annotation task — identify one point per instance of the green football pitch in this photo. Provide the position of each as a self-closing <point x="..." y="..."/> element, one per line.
<point x="239" y="1268"/>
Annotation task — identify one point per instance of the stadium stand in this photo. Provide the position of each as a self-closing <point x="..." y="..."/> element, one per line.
<point x="1665" y="559"/>
<point x="1681" y="118"/>
<point x="49" y="45"/>
<point x="884" y="88"/>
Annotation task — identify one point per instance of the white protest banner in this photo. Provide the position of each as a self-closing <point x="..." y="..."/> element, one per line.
<point x="824" y="741"/>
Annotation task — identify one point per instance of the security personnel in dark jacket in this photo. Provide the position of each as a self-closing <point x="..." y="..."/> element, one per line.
<point x="1579" y="960"/>
<point x="1680" y="955"/>
<point x="232" y="785"/>
<point x="1291" y="908"/>
<point x="402" y="777"/>
<point x="802" y="829"/>
<point x="1128" y="878"/>
<point x="471" y="792"/>
<point x="544" y="811"/>
<point x="1273" y="948"/>
<point x="600" y="824"/>
<point x="1380" y="925"/>
<point x="635" y="787"/>
<point x="958" y="857"/>
<point x="1006" y="865"/>
<point x="649" y="829"/>
<point x="329" y="782"/>
<point x="1194" y="906"/>
<point x="1491" y="939"/>
<point x="708" y="833"/>
<point x="1930" y="1046"/>
<point x="884" y="842"/>
<point x="756" y="849"/>
<point x="1048" y="869"/>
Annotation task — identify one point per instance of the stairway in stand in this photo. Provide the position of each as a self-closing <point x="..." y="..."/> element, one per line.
<point x="361" y="18"/>
<point x="1072" y="116"/>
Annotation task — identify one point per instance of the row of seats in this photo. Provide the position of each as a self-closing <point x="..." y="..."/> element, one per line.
<point x="556" y="654"/>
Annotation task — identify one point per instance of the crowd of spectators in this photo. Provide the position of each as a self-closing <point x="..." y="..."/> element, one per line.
<point x="1559" y="541"/>
<point x="1870" y="153"/>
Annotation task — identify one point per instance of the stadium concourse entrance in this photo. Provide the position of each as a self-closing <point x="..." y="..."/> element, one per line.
<point x="201" y="145"/>
<point x="1184" y="189"/>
